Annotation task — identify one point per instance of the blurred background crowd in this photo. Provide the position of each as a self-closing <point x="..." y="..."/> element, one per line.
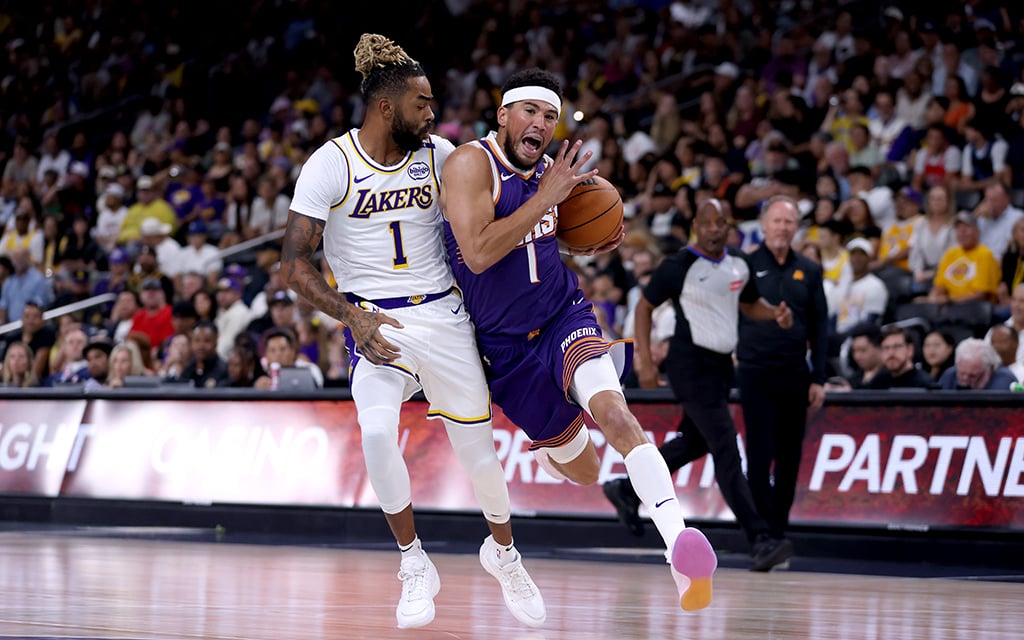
<point x="149" y="151"/>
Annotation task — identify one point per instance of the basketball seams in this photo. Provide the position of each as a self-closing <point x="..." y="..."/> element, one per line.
<point x="589" y="220"/>
<point x="583" y="224"/>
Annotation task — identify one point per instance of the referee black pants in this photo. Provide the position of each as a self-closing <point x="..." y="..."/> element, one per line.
<point x="701" y="380"/>
<point x="775" y="412"/>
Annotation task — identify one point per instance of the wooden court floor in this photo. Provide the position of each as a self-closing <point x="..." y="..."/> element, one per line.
<point x="87" y="586"/>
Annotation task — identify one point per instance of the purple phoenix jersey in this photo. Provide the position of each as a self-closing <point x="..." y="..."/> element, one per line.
<point x="527" y="288"/>
<point x="533" y="324"/>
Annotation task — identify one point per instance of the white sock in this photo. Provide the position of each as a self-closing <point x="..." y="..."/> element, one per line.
<point x="653" y="484"/>
<point x="414" y="548"/>
<point x="507" y="554"/>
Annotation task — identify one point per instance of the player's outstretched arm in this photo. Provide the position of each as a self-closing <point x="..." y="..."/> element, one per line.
<point x="301" y="239"/>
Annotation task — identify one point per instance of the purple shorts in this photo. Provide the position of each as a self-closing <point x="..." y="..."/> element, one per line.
<point x="529" y="378"/>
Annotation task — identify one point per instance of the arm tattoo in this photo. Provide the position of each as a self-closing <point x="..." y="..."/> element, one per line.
<point x="300" y="241"/>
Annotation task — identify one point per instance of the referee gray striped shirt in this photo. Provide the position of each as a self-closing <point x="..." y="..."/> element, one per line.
<point x="706" y="293"/>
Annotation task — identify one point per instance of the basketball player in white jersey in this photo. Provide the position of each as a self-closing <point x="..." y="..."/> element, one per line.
<point x="371" y="194"/>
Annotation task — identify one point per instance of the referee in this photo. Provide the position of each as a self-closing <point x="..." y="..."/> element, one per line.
<point x="707" y="285"/>
<point x="776" y="383"/>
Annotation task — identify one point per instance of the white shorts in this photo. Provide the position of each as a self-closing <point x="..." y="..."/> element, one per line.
<point x="438" y="355"/>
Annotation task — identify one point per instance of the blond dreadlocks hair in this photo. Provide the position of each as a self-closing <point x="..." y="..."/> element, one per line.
<point x="384" y="65"/>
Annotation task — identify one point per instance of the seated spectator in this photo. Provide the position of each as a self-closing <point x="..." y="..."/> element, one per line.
<point x="835" y="259"/>
<point x="150" y="205"/>
<point x="23" y="236"/>
<point x="206" y="369"/>
<point x="17" y="369"/>
<point x="24" y="285"/>
<point x="156" y="235"/>
<point x="205" y="305"/>
<point x="865" y="300"/>
<point x="177" y="355"/>
<point x="125" y="360"/>
<point x="154" y="318"/>
<point x="198" y="255"/>
<point x="977" y="367"/>
<point x="97" y="358"/>
<point x="269" y="209"/>
<point x="146" y="350"/>
<point x="932" y="237"/>
<point x="241" y="369"/>
<point x="73" y="366"/>
<point x="119" y="263"/>
<point x="938" y="162"/>
<point x="983" y="163"/>
<point x="996" y="217"/>
<point x="280" y="314"/>
<point x="898" y="356"/>
<point x="1013" y="265"/>
<point x="968" y="271"/>
<point x="865" y="349"/>
<point x="112" y="214"/>
<point x="232" y="315"/>
<point x="281" y="347"/>
<point x="40" y="337"/>
<point x="937" y="350"/>
<point x="147" y="267"/>
<point x="894" y="248"/>
<point x="1006" y="342"/>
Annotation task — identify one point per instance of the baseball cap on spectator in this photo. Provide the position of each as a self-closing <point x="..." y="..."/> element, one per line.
<point x="108" y="172"/>
<point x="280" y="103"/>
<point x="222" y="146"/>
<point x="235" y="271"/>
<point x="80" y="276"/>
<point x="196" y="226"/>
<point x="280" y="297"/>
<point x="152" y="283"/>
<point x="114" y="189"/>
<point x="861" y="244"/>
<point x="153" y="227"/>
<point x="981" y="24"/>
<point x="144" y="182"/>
<point x="913" y="195"/>
<point x="637" y="146"/>
<point x="119" y="256"/>
<point x="79" y="169"/>
<point x="1017" y="89"/>
<point x="225" y="284"/>
<point x="894" y="13"/>
<point x="965" y="217"/>
<point x="728" y="70"/>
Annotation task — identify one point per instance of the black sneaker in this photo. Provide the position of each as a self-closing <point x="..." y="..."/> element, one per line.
<point x="770" y="552"/>
<point x="620" y="493"/>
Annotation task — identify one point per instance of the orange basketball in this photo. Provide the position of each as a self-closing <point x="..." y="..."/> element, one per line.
<point x="591" y="216"/>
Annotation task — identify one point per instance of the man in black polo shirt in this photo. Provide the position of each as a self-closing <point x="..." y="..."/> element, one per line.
<point x="708" y="286"/>
<point x="776" y="383"/>
<point x="899" y="371"/>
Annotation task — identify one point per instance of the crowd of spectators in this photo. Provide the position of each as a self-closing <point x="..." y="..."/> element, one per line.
<point x="140" y="147"/>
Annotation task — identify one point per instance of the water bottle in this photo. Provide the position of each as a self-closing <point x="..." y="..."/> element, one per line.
<point x="275" y="375"/>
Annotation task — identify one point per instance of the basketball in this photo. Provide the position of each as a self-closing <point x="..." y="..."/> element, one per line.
<point x="591" y="216"/>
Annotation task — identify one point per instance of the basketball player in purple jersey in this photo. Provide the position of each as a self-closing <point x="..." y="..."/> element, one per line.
<point x="544" y="356"/>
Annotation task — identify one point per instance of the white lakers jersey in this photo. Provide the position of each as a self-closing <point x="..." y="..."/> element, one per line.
<point x="383" y="236"/>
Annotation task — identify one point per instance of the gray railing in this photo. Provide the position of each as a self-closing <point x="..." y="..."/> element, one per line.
<point x="88" y="303"/>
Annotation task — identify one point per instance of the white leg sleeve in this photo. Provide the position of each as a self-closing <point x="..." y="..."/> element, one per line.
<point x="378" y="399"/>
<point x="474" y="446"/>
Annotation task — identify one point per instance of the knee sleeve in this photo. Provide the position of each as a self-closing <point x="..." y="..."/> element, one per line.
<point x="385" y="466"/>
<point x="474" y="447"/>
<point x="592" y="377"/>
<point x="572" y="449"/>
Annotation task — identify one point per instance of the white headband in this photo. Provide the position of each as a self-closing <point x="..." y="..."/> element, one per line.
<point x="532" y="93"/>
